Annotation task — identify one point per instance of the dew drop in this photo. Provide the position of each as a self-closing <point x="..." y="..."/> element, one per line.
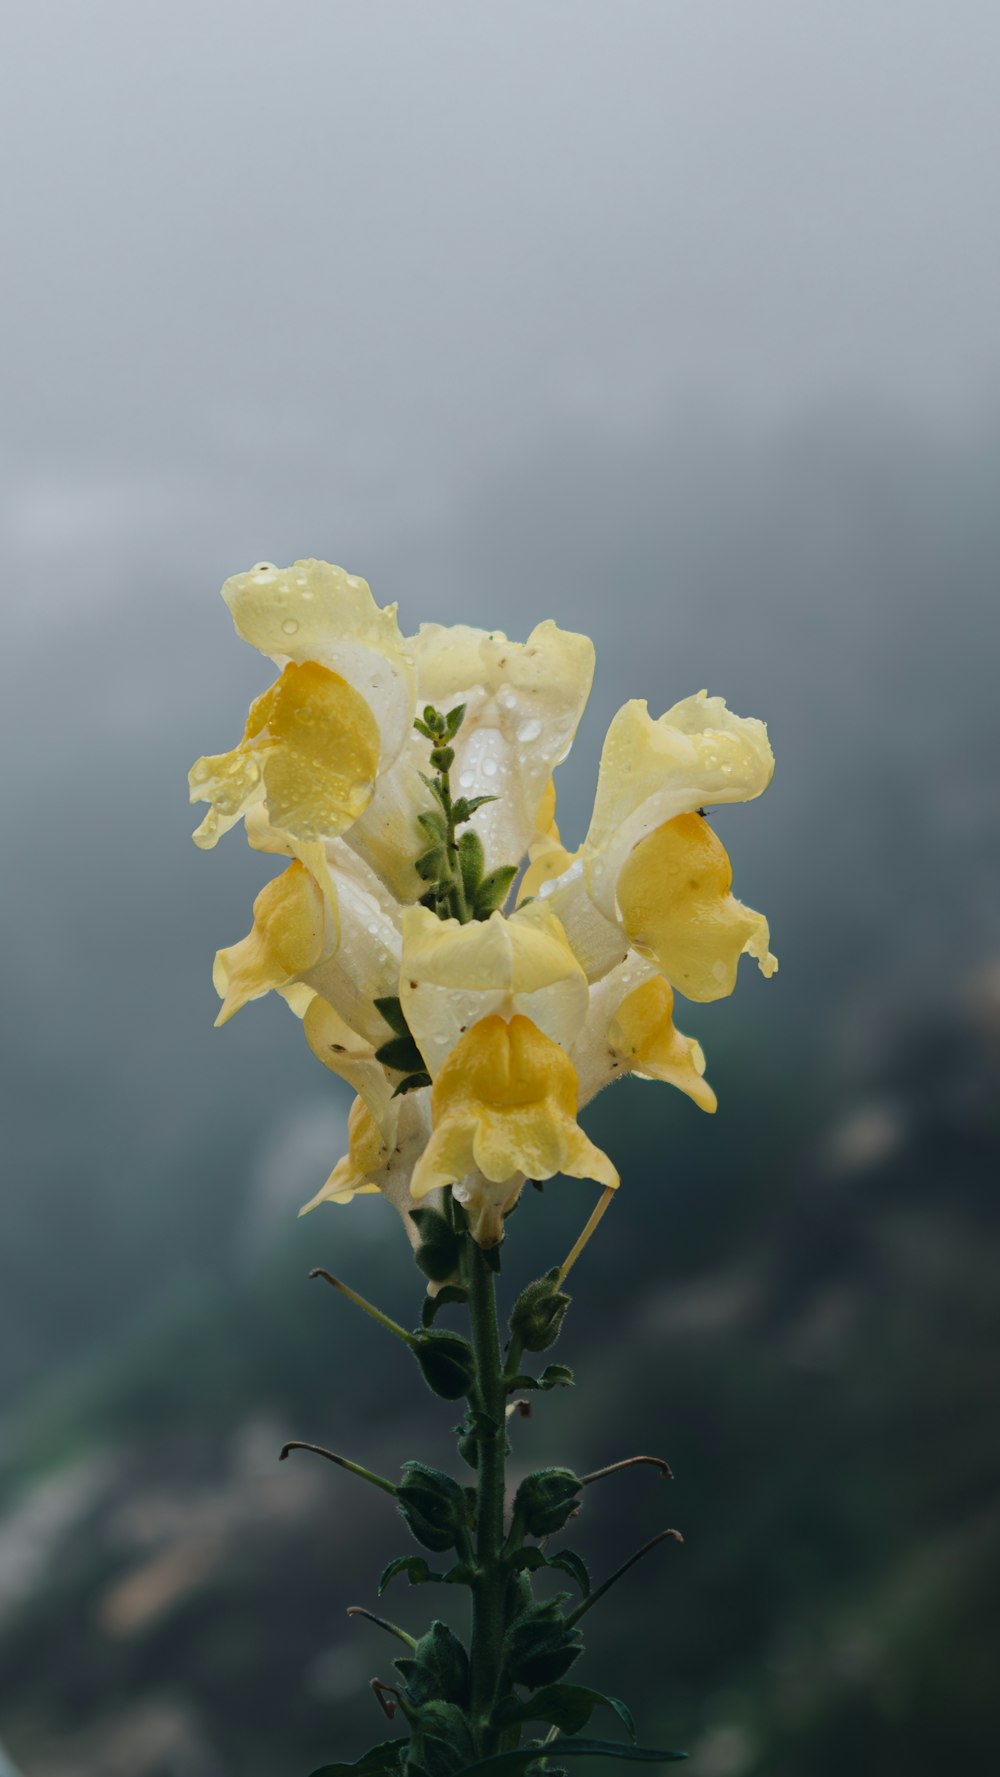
<point x="466" y="780"/>
<point x="529" y="731"/>
<point x="290" y="626"/>
<point x="489" y="768"/>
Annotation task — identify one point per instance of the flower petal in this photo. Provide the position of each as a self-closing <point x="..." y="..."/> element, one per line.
<point x="287" y="936"/>
<point x="313" y="611"/>
<point x="676" y="908"/>
<point x="365" y="965"/>
<point x="348" y="1055"/>
<point x="309" y="753"/>
<point x="453" y="975"/>
<point x="505" y="1103"/>
<point x="698" y="753"/>
<point x="643" y="1033"/>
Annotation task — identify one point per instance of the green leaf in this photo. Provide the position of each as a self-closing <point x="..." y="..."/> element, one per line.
<point x="556" y="1376"/>
<point x="385" y="1757"/>
<point x="440" y="1247"/>
<point x="435" y="787"/>
<point x="575" y="1566"/>
<point x="565" y="1706"/>
<point x="447" y="1362"/>
<point x="493" y="890"/>
<point x="449" y="1292"/>
<point x="439" y="1669"/>
<point x="540" y="1646"/>
<point x="411" y="1083"/>
<point x="464" y="807"/>
<point x="472" y="861"/>
<point x="432" y="865"/>
<point x="400" y="1053"/>
<point x="389" y="1007"/>
<point x="454" y="720"/>
<point x="435" y="1507"/>
<point x="460" y="1575"/>
<point x="527" y="1560"/>
<point x="415" y="1568"/>
<point x="443" y="758"/>
<point x="504" y="1764"/>
<point x="433" y="823"/>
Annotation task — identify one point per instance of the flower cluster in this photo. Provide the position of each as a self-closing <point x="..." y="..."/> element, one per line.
<point x="408" y="782"/>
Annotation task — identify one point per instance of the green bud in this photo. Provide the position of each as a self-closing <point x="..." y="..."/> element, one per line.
<point x="447" y="1362"/>
<point x="472" y="861"/>
<point x="537" y="1316"/>
<point x="546" y="1499"/>
<point x="435" y="1507"/>
<point x="443" y="758"/>
<point x="439" y="1668"/>
<point x="539" y="1646"/>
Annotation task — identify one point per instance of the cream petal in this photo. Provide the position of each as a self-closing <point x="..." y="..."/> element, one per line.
<point x="452" y="975"/>
<point x="365" y="965"/>
<point x="314" y="611"/>
<point x="523" y="703"/>
<point x="698" y="753"/>
<point x="597" y="1063"/>
<point x="598" y="943"/>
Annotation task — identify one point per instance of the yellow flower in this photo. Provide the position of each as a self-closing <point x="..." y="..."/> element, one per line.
<point x="676" y="907"/>
<point x="453" y="975"/>
<point x="503" y="1108"/>
<point x="644" y="1035"/>
<point x="523" y="701"/>
<point x="309" y="754"/>
<point x="313" y="611"/>
<point x="548" y="856"/>
<point x="651" y="774"/>
<point x="379" y="1160"/>
<point x="289" y="925"/>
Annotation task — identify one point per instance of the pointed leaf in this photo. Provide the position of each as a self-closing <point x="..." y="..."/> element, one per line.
<point x="472" y="861"/>
<point x="415" y="1568"/>
<point x="565" y="1706"/>
<point x="400" y="1053"/>
<point x="454" y="720"/>
<point x="449" y="1292"/>
<point x="569" y="1562"/>
<point x="411" y="1083"/>
<point x="494" y="889"/>
<point x="389" y="1007"/>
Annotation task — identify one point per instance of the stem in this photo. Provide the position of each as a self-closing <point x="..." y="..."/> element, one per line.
<point x="353" y="1468"/>
<point x="376" y="1314"/>
<point x="595" y="1597"/>
<point x="458" y="881"/>
<point x="490" y="1587"/>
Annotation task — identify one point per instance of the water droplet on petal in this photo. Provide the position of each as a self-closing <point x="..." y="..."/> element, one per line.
<point x="489" y="768"/>
<point x="529" y="731"/>
<point x="466" y="780"/>
<point x="290" y="626"/>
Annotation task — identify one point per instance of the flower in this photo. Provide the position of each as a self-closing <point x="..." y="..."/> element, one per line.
<point x="406" y="780"/>
<point x="503" y="1108"/>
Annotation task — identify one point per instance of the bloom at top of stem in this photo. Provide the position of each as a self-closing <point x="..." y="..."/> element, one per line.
<point x="503" y="1108"/>
<point x="404" y="778"/>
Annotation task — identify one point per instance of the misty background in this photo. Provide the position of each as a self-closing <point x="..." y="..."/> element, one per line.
<point x="679" y="325"/>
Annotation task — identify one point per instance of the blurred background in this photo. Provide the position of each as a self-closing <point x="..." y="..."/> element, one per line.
<point x="677" y="324"/>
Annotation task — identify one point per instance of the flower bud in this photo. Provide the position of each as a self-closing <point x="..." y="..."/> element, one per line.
<point x="537" y="1315"/>
<point x="546" y="1499"/>
<point x="435" y="1507"/>
<point x="447" y="1362"/>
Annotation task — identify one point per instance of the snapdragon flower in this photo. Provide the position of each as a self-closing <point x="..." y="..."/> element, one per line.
<point x="409" y="782"/>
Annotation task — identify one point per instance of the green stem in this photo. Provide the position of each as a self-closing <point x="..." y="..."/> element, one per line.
<point x="490" y="1586"/>
<point x="458" y="882"/>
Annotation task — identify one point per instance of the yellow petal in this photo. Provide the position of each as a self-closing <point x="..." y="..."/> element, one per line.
<point x="309" y="753"/>
<point x="505" y="1103"/>
<point x="698" y="754"/>
<point x="366" y="1155"/>
<point x="347" y="1054"/>
<point x="643" y="1033"/>
<point x="453" y="975"/>
<point x="286" y="937"/>
<point x="676" y="908"/>
<point x="313" y="611"/>
<point x="365" y="964"/>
